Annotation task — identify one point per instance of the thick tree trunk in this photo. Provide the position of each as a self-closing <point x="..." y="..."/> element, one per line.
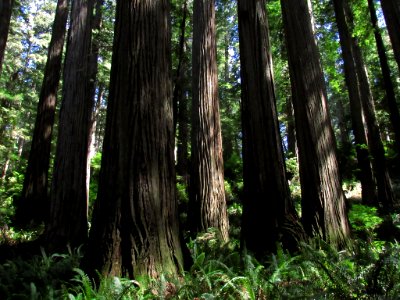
<point x="207" y="196"/>
<point x="390" y="99"/>
<point x="135" y="224"/>
<point x="68" y="208"/>
<point x="391" y="11"/>
<point x="33" y="206"/>
<point x="5" y="18"/>
<point x="323" y="200"/>
<point x="267" y="201"/>
<point x="365" y="175"/>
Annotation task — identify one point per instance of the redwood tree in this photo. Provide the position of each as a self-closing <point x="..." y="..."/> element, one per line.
<point x="33" y="206"/>
<point x="391" y="12"/>
<point x="390" y="99"/>
<point x="5" y="18"/>
<point x="135" y="224"/>
<point x="385" y="191"/>
<point x="207" y="195"/>
<point x="267" y="202"/>
<point x="323" y="200"/>
<point x="366" y="176"/>
<point x="68" y="207"/>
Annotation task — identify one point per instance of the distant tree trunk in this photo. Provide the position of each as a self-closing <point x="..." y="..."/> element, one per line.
<point x="180" y="71"/>
<point x="207" y="196"/>
<point x="391" y="12"/>
<point x="180" y="101"/>
<point x="385" y="190"/>
<point x="135" y="224"/>
<point x="323" y="200"/>
<point x="68" y="208"/>
<point x="384" y="185"/>
<point x="92" y="135"/>
<point x="33" y="206"/>
<point x="94" y="105"/>
<point x="344" y="142"/>
<point x="365" y="174"/>
<point x="5" y="168"/>
<point x="182" y="159"/>
<point x="267" y="201"/>
<point x="390" y="99"/>
<point x="291" y="131"/>
<point x="5" y="18"/>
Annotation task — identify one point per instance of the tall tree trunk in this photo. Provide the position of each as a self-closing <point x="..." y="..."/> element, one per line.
<point x="135" y="224"/>
<point x="384" y="185"/>
<point x="391" y="12"/>
<point x="180" y="71"/>
<point x="5" y="18"/>
<point x="366" y="175"/>
<point x="390" y="99"/>
<point x="68" y="207"/>
<point x="267" y="202"/>
<point x="33" y="206"/>
<point x="207" y="196"/>
<point x="323" y="200"/>
<point x="180" y="101"/>
<point x="94" y="105"/>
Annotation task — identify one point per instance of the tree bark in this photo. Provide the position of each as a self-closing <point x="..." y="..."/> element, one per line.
<point x="366" y="176"/>
<point x="207" y="196"/>
<point x="135" y="224"/>
<point x="391" y="12"/>
<point x="390" y="99"/>
<point x="267" y="199"/>
<point x="323" y="200"/>
<point x="68" y="209"/>
<point x="33" y="206"/>
<point x="5" y="18"/>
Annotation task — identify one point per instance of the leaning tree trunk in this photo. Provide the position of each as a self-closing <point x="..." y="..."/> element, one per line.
<point x="366" y="176"/>
<point x="391" y="12"/>
<point x="390" y="99"/>
<point x="323" y="200"/>
<point x="135" y="224"/>
<point x="207" y="196"/>
<point x="267" y="202"/>
<point x="68" y="208"/>
<point x="5" y="18"/>
<point x="33" y="206"/>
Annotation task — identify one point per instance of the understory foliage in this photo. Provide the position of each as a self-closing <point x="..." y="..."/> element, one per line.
<point x="371" y="269"/>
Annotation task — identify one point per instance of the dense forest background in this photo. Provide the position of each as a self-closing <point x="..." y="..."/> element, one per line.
<point x="199" y="149"/>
